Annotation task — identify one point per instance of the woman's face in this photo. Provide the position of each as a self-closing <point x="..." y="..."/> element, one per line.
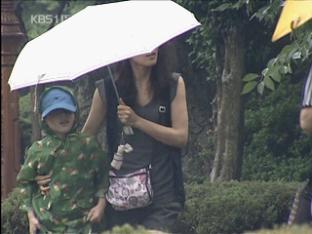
<point x="146" y="60"/>
<point x="60" y="121"/>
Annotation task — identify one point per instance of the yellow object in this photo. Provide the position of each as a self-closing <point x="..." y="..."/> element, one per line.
<point x="294" y="14"/>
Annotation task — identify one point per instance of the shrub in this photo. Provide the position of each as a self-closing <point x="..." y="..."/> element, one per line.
<point x="225" y="207"/>
<point x="275" y="146"/>
<point x="232" y="207"/>
<point x="13" y="221"/>
<point x="126" y="229"/>
<point x="302" y="229"/>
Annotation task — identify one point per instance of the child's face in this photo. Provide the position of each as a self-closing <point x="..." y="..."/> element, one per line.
<point x="60" y="121"/>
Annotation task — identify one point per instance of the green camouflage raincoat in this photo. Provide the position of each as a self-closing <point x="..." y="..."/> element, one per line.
<point x="79" y="175"/>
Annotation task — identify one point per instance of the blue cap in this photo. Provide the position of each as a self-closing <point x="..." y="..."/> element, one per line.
<point x="57" y="98"/>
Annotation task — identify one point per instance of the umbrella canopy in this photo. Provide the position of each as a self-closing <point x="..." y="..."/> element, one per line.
<point x="98" y="36"/>
<point x="294" y="14"/>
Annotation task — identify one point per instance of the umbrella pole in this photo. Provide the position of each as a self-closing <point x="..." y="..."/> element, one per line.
<point x="126" y="129"/>
<point x="114" y="85"/>
<point x="36" y="94"/>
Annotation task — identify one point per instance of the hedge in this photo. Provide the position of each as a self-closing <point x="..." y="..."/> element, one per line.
<point x="234" y="207"/>
<point x="211" y="208"/>
<point x="296" y="229"/>
<point x="13" y="221"/>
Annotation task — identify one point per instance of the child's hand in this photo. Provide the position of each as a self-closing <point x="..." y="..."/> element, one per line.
<point x="96" y="213"/>
<point x="43" y="183"/>
<point x="33" y="222"/>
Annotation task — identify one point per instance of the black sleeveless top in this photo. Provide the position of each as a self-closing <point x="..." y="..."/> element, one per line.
<point x="146" y="150"/>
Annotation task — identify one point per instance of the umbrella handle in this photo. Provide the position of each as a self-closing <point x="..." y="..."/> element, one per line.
<point x="119" y="155"/>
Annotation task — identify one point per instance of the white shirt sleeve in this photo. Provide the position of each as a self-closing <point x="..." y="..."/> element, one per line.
<point x="307" y="95"/>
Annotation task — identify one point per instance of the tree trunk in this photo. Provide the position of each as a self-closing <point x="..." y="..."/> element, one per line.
<point x="227" y="160"/>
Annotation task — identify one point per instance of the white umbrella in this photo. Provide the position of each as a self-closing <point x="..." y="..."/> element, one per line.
<point x="98" y="36"/>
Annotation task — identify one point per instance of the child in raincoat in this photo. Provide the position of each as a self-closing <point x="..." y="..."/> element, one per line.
<point x="77" y="166"/>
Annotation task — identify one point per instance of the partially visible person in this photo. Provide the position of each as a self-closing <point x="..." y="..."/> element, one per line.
<point x="301" y="211"/>
<point x="306" y="110"/>
<point x="76" y="166"/>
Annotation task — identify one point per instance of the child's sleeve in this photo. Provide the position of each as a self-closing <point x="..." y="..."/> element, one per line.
<point x="26" y="178"/>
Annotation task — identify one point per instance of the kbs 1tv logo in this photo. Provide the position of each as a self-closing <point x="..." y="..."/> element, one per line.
<point x="47" y="18"/>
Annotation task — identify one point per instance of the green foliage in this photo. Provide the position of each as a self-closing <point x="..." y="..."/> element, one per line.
<point x="268" y="12"/>
<point x="250" y="77"/>
<point x="251" y="82"/>
<point x="25" y="110"/>
<point x="234" y="207"/>
<point x="203" y="54"/>
<point x="127" y="229"/>
<point x="219" y="16"/>
<point x="199" y="165"/>
<point x="268" y="82"/>
<point x="13" y="221"/>
<point x="293" y="57"/>
<point x="295" y="229"/>
<point x="275" y="147"/>
<point x="230" y="207"/>
<point x="216" y="17"/>
<point x="249" y="86"/>
<point x="232" y="5"/>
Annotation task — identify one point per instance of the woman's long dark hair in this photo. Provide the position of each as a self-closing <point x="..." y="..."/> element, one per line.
<point x="161" y="76"/>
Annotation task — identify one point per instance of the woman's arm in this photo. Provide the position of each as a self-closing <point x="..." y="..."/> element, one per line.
<point x="96" y="115"/>
<point x="306" y="119"/>
<point x="176" y="135"/>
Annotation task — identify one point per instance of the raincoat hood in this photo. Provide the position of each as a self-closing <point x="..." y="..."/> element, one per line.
<point x="57" y="97"/>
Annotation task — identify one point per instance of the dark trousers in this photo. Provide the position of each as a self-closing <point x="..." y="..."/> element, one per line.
<point x="155" y="217"/>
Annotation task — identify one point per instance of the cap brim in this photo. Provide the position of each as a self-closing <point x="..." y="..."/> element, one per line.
<point x="59" y="106"/>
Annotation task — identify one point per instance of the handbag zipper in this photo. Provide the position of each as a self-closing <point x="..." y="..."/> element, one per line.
<point x="129" y="176"/>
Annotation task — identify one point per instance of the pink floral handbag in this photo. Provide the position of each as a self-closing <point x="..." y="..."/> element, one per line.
<point x="130" y="191"/>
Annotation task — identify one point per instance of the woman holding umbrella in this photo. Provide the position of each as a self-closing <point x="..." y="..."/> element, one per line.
<point x="153" y="102"/>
